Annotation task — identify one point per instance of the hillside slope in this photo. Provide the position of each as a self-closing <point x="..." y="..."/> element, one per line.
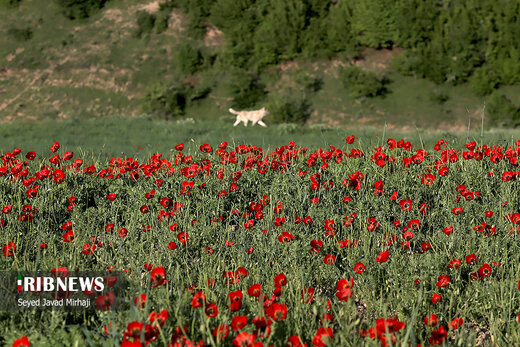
<point x="97" y="66"/>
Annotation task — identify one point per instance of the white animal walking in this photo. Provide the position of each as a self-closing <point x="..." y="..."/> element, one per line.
<point x="253" y="116"/>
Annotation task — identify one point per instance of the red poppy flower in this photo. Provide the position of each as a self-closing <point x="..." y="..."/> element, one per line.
<point x="436" y="298"/>
<point x="221" y="332"/>
<point x="382" y="257"/>
<point x="438" y="336"/>
<point x="406" y="205"/>
<point x="122" y="232"/>
<point x="68" y="236"/>
<point x="254" y="290"/>
<point x="9" y="249"/>
<point x="30" y="155"/>
<point x="454" y="263"/>
<point x="211" y="310"/>
<point x="238" y="322"/>
<point x="329" y="259"/>
<point x="235" y="299"/>
<point x="344" y="294"/>
<point x="431" y="320"/>
<point x="104" y="302"/>
<point x="359" y="268"/>
<point x="456" y="323"/>
<point x="471" y="259"/>
<point x="172" y="245"/>
<point x="295" y="341"/>
<point x="7" y="209"/>
<point x="425" y="246"/>
<point x="277" y="311"/>
<point x="427" y="179"/>
<point x="22" y="342"/>
<point x="244" y="339"/>
<point x="198" y="300"/>
<point x="279" y="221"/>
<point x="88" y="249"/>
<point x="158" y="276"/>
<point x="205" y="148"/>
<point x="143" y="209"/>
<point x="54" y="147"/>
<point x="448" y="230"/>
<point x="443" y="281"/>
<point x="322" y="337"/>
<point x="182" y="237"/>
<point x="484" y="271"/>
<point x="140" y="300"/>
<point x="350" y="139"/>
<point x="316" y="246"/>
<point x="307" y="295"/>
<point x="457" y="210"/>
<point x="280" y="280"/>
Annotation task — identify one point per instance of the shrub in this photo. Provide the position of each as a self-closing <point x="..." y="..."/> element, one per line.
<point x="165" y="101"/>
<point x="484" y="81"/>
<point x="289" y="108"/>
<point x="77" y="9"/>
<point x="310" y="84"/>
<point x="20" y="34"/>
<point x="9" y="3"/>
<point x="501" y="111"/>
<point x="363" y="83"/>
<point x="438" y="95"/>
<point x="245" y="88"/>
<point x="145" y="23"/>
<point x="189" y="59"/>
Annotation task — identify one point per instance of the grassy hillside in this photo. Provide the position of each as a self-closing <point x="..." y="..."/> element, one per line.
<point x="53" y="68"/>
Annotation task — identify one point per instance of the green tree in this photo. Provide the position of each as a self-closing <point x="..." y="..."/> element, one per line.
<point x="244" y="87"/>
<point x="373" y="22"/>
<point x="501" y="111"/>
<point x="340" y="37"/>
<point x="165" y="101"/>
<point x="78" y="9"/>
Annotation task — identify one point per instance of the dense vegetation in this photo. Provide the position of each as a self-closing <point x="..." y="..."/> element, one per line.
<point x="341" y="245"/>
<point x="447" y="41"/>
<point x="450" y="43"/>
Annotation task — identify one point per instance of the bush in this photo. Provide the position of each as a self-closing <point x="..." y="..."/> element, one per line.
<point x="165" y="101"/>
<point x="78" y="9"/>
<point x="20" y="34"/>
<point x="501" y="111"/>
<point x="484" y="81"/>
<point x="145" y="23"/>
<point x="189" y="59"/>
<point x="161" y="23"/>
<point x="245" y="88"/>
<point x="438" y="95"/>
<point x="363" y="83"/>
<point x="310" y="84"/>
<point x="289" y="109"/>
<point x="196" y="24"/>
<point x="9" y="3"/>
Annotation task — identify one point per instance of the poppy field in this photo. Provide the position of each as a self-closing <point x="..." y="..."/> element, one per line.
<point x="234" y="245"/>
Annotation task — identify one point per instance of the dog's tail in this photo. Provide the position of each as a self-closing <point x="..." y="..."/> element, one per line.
<point x="233" y="111"/>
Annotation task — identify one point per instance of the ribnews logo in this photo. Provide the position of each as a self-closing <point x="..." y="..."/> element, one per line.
<point x="50" y="284"/>
<point x="63" y="290"/>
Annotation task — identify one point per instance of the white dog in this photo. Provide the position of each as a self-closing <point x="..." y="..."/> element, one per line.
<point x="253" y="116"/>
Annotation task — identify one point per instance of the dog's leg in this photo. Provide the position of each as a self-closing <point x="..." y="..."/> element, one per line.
<point x="236" y="122"/>
<point x="245" y="122"/>
<point x="261" y="123"/>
